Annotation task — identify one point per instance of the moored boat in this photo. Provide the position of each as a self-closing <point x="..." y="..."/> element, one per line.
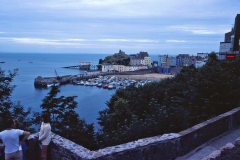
<point x="57" y="84"/>
<point x="104" y="86"/>
<point x="110" y="86"/>
<point x="81" y="83"/>
<point x="99" y="85"/>
<point x="50" y="84"/>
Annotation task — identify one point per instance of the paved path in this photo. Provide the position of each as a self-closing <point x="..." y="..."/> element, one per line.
<point x="215" y="144"/>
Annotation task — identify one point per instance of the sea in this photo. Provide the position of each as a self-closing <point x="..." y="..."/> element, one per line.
<point x="90" y="100"/>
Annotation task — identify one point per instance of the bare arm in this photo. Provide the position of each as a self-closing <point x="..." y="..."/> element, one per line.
<point x="25" y="136"/>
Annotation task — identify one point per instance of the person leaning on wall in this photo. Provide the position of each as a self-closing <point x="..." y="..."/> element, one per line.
<point x="23" y="146"/>
<point x="44" y="135"/>
<point x="10" y="137"/>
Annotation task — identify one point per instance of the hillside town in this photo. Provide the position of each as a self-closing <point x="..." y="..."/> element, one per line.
<point x="171" y="64"/>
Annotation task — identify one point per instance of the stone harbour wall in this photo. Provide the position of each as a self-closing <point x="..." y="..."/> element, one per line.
<point x="162" y="147"/>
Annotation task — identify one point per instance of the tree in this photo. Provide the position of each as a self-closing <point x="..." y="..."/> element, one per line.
<point x="99" y="66"/>
<point x="118" y="58"/>
<point x="171" y="105"/>
<point x="65" y="121"/>
<point x="212" y="58"/>
<point x="9" y="109"/>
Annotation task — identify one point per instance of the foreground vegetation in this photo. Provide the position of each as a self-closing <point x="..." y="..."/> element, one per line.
<point x="64" y="120"/>
<point x="172" y="105"/>
<point x="9" y="108"/>
<point x="229" y="154"/>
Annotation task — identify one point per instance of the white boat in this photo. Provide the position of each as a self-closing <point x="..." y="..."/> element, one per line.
<point x="81" y="83"/>
<point x="57" y="84"/>
<point x="94" y="83"/>
<point x="99" y="85"/>
<point x="110" y="86"/>
<point x="50" y="85"/>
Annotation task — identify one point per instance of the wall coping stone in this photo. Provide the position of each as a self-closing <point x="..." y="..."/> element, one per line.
<point x="180" y="143"/>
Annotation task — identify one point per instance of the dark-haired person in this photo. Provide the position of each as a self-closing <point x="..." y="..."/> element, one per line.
<point x="45" y="135"/>
<point x="10" y="138"/>
<point x="23" y="146"/>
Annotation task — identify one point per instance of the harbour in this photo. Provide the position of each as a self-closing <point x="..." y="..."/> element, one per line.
<point x="90" y="100"/>
<point x="93" y="78"/>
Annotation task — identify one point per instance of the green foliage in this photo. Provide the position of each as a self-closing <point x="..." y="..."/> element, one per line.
<point x="65" y="121"/>
<point x="172" y="105"/>
<point x="118" y="58"/>
<point x="9" y="109"/>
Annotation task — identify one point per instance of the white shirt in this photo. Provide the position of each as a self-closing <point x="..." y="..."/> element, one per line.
<point x="10" y="139"/>
<point x="45" y="133"/>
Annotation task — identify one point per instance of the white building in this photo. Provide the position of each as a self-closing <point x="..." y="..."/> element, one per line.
<point x="147" y="61"/>
<point x="84" y="63"/>
<point x="107" y="68"/>
<point x="121" y="68"/>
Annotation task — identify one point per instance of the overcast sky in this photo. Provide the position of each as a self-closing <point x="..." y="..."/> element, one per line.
<point x="106" y="26"/>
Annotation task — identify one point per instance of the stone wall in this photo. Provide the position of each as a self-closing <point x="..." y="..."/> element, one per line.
<point x="162" y="147"/>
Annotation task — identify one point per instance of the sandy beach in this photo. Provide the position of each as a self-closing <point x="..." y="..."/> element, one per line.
<point x="151" y="76"/>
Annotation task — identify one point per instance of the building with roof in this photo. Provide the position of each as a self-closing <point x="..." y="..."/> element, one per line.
<point x="230" y="47"/>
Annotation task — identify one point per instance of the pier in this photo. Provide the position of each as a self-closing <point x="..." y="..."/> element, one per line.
<point x="83" y="67"/>
<point x="43" y="82"/>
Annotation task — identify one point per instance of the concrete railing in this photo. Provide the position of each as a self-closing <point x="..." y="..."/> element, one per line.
<point x="162" y="147"/>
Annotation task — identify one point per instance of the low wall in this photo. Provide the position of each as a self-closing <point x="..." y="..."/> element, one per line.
<point x="162" y="147"/>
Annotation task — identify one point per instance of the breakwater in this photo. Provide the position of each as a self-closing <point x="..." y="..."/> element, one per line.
<point x="42" y="82"/>
<point x="84" y="67"/>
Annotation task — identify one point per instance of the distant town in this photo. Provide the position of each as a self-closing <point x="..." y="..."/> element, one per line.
<point x="120" y="62"/>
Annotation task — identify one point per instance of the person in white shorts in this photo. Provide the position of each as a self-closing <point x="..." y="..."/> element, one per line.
<point x="10" y="138"/>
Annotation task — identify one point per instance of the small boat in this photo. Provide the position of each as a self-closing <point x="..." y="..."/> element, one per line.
<point x="77" y="82"/>
<point x="57" y="84"/>
<point x="110" y="86"/>
<point x="81" y="83"/>
<point x="104" y="86"/>
<point x="2" y="62"/>
<point x="99" y="85"/>
<point x="50" y="85"/>
<point x="94" y="83"/>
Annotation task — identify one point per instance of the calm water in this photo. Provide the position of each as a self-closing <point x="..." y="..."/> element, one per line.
<point x="90" y="99"/>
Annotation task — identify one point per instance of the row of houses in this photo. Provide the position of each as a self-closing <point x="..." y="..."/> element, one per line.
<point x="228" y="49"/>
<point x="134" y="61"/>
<point x="183" y="60"/>
<point x="122" y="68"/>
<point x="137" y="62"/>
<point x="164" y="64"/>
